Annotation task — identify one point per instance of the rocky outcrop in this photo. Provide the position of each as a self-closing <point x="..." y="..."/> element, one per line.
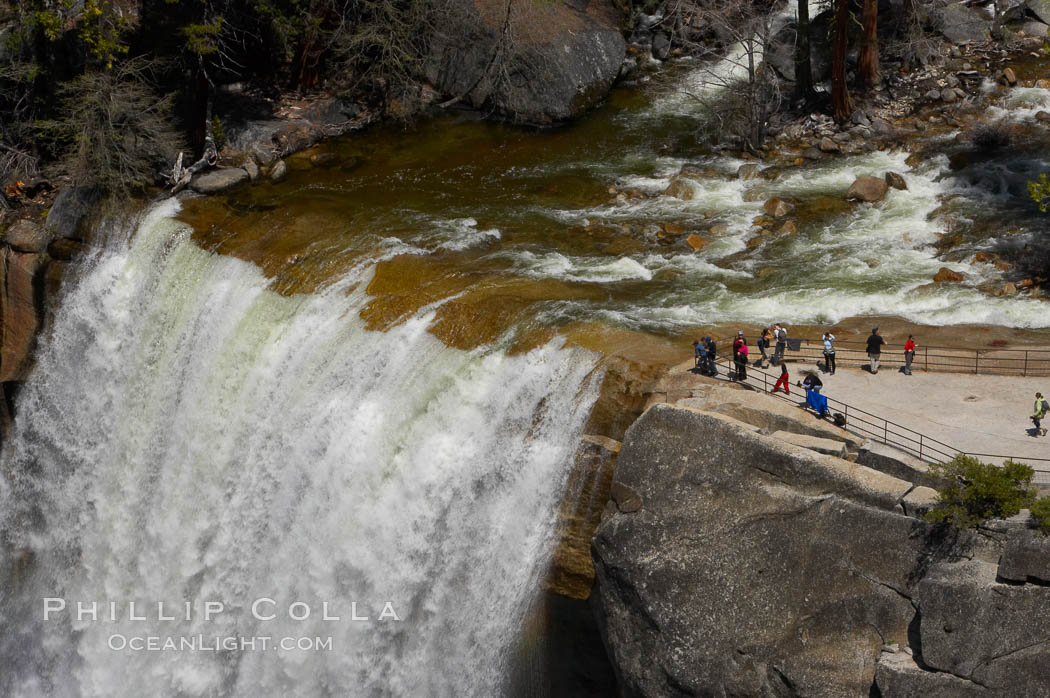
<point x="992" y="634"/>
<point x="755" y="567"/>
<point x="535" y="63"/>
<point x="1026" y="557"/>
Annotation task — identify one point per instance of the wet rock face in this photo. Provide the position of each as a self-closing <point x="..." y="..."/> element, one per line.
<point x="868" y="189"/>
<point x="753" y="567"/>
<point x="534" y="63"/>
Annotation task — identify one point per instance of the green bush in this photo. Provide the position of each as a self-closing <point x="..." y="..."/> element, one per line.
<point x="1041" y="513"/>
<point x="972" y="491"/>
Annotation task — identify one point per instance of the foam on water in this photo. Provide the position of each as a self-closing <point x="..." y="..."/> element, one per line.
<point x="190" y="435"/>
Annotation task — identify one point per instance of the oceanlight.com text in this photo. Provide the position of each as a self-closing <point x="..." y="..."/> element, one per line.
<point x="216" y="643"/>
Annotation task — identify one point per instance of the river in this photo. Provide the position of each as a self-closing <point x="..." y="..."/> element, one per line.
<point x="358" y="392"/>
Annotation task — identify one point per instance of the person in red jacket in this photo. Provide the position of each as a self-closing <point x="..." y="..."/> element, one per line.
<point x="909" y="354"/>
<point x="783" y="381"/>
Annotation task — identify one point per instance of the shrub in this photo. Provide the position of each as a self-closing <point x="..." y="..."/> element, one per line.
<point x="1041" y="514"/>
<point x="113" y="129"/>
<point x="972" y="491"/>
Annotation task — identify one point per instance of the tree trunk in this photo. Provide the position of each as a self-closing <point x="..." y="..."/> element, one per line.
<point x="841" y="103"/>
<point x="803" y="69"/>
<point x="868" y="63"/>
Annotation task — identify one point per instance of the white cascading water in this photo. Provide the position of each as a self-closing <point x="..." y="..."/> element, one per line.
<point x="191" y="436"/>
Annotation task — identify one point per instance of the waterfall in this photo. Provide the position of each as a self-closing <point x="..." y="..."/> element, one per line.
<point x="192" y="438"/>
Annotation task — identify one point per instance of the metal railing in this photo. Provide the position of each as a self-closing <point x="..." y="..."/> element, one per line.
<point x="1003" y="362"/>
<point x="871" y="426"/>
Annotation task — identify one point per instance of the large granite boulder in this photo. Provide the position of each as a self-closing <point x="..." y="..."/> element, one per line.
<point x="960" y="23"/>
<point x="535" y="63"/>
<point x="1026" y="557"/>
<point x="995" y="635"/>
<point x="754" y="567"/>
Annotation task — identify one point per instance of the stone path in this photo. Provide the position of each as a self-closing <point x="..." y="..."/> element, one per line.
<point x="974" y="413"/>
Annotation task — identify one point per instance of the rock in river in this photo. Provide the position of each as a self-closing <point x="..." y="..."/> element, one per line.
<point x="217" y="181"/>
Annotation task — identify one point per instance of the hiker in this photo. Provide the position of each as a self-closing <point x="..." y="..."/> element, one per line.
<point x="781" y="335"/>
<point x="740" y="359"/>
<point x="909" y="354"/>
<point x="812" y="382"/>
<point x="712" y="370"/>
<point x="875" y="342"/>
<point x="737" y="343"/>
<point x="1041" y="408"/>
<point x="699" y="355"/>
<point x="784" y="381"/>
<point x="763" y="345"/>
<point x="829" y="353"/>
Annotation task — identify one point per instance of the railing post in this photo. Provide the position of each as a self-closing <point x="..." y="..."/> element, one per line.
<point x="976" y="362"/>
<point x="885" y="432"/>
<point x="926" y="359"/>
<point x="1024" y="371"/>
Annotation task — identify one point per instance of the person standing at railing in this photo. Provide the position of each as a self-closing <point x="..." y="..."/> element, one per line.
<point x="784" y="381"/>
<point x="1041" y="408"/>
<point x="763" y="344"/>
<point x="781" y="334"/>
<point x="829" y="352"/>
<point x="712" y="351"/>
<point x="875" y="342"/>
<point x="909" y="354"/>
<point x="740" y="356"/>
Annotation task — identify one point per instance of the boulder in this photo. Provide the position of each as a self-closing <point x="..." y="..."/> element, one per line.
<point x="680" y="189"/>
<point x="1009" y="77"/>
<point x="696" y="242"/>
<point x="65" y="249"/>
<point x="960" y="23"/>
<point x="1038" y="29"/>
<point x="948" y="95"/>
<point x="718" y="229"/>
<point x="27" y="236"/>
<point x="1041" y="9"/>
<point x="218" y="181"/>
<point x="789" y="228"/>
<point x="279" y="171"/>
<point x="1008" y="289"/>
<point x="324" y="160"/>
<point x="251" y="167"/>
<point x="747" y="171"/>
<point x="829" y="146"/>
<point x="869" y="189"/>
<point x="1026" y="557"/>
<point x="811" y="153"/>
<point x="777" y="207"/>
<point x="896" y="181"/>
<point x="70" y="208"/>
<point x="946" y="275"/>
<point x="1042" y="116"/>
<point x="993" y="634"/>
<point x="553" y="60"/>
<point x="753" y="567"/>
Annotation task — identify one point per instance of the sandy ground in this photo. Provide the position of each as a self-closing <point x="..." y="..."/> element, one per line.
<point x="974" y="413"/>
